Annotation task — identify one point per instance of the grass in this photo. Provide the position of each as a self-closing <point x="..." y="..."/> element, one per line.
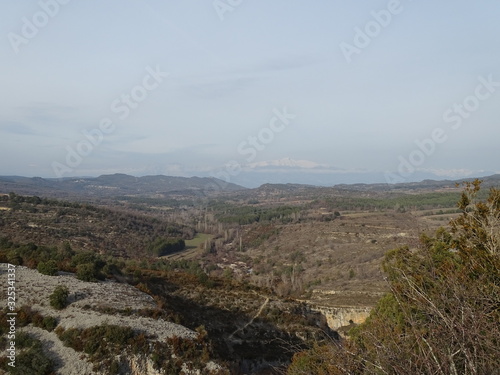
<point x="193" y="248"/>
<point x="199" y="239"/>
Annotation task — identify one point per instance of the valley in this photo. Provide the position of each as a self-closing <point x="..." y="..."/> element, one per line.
<point x="262" y="273"/>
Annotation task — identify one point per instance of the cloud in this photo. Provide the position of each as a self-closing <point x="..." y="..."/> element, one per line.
<point x="45" y="112"/>
<point x="17" y="128"/>
<point x="287" y="165"/>
<point x="451" y="173"/>
<point x="42" y="119"/>
<point x="236" y="80"/>
<point x="216" y="88"/>
<point x="281" y="63"/>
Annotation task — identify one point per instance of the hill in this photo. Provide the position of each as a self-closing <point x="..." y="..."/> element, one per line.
<point x="110" y="231"/>
<point x="115" y="185"/>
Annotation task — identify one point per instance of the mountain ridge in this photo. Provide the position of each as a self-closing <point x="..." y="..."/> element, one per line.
<point x="115" y="185"/>
<point x="158" y="186"/>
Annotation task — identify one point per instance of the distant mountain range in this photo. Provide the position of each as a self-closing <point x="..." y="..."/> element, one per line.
<point x="160" y="186"/>
<point x="307" y="172"/>
<point x="115" y="185"/>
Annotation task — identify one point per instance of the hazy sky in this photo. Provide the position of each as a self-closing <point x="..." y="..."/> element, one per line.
<point x="186" y="87"/>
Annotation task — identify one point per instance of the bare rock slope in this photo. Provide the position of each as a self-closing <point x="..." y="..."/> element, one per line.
<point x="86" y="302"/>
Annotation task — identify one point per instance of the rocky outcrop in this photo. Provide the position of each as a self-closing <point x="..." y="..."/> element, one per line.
<point x="337" y="317"/>
<point x="140" y="365"/>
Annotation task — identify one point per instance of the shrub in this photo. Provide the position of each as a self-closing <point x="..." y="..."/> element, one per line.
<point x="49" y="323"/>
<point x="84" y="257"/>
<point x="32" y="360"/>
<point x="87" y="272"/>
<point x="70" y="338"/>
<point x="48" y="268"/>
<point x="441" y="315"/>
<point x="46" y="322"/>
<point x="59" y="297"/>
<point x="13" y="257"/>
<point x="114" y="368"/>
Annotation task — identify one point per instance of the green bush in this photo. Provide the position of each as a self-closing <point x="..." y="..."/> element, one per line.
<point x="46" y="322"/>
<point x="14" y="258"/>
<point x="70" y="338"/>
<point x="48" y="268"/>
<point x="114" y="368"/>
<point x="88" y="272"/>
<point x="86" y="257"/>
<point x="49" y="323"/>
<point x="59" y="298"/>
<point x="88" y="266"/>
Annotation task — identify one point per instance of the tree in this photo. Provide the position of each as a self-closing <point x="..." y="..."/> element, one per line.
<point x="163" y="246"/>
<point x="59" y="297"/>
<point x="442" y="314"/>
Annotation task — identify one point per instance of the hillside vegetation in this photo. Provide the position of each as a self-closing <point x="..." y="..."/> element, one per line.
<point x="259" y="273"/>
<point x="108" y="231"/>
<point x="443" y="311"/>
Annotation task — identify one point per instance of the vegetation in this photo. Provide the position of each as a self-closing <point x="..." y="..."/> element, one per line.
<point x="228" y="213"/>
<point x="442" y="314"/>
<point x="117" y="231"/>
<point x="101" y="343"/>
<point x="170" y="356"/>
<point x="48" y="268"/>
<point x="30" y="359"/>
<point x="59" y="298"/>
<point x="164" y="246"/>
<point x="88" y="266"/>
<point x="237" y="260"/>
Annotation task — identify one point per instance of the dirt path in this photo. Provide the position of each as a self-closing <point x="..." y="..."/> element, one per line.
<point x="253" y="318"/>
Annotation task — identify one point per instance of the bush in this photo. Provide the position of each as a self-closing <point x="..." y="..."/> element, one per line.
<point x="88" y="266"/>
<point x="441" y="315"/>
<point x="14" y="258"/>
<point x="32" y="360"/>
<point x="70" y="338"/>
<point x="59" y="298"/>
<point x="111" y="270"/>
<point x="48" y="268"/>
<point x="49" y="323"/>
<point x="88" y="272"/>
<point x="84" y="257"/>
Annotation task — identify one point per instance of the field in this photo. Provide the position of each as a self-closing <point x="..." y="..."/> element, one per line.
<point x="194" y="248"/>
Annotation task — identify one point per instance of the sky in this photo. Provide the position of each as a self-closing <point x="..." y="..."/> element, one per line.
<point x="250" y="91"/>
